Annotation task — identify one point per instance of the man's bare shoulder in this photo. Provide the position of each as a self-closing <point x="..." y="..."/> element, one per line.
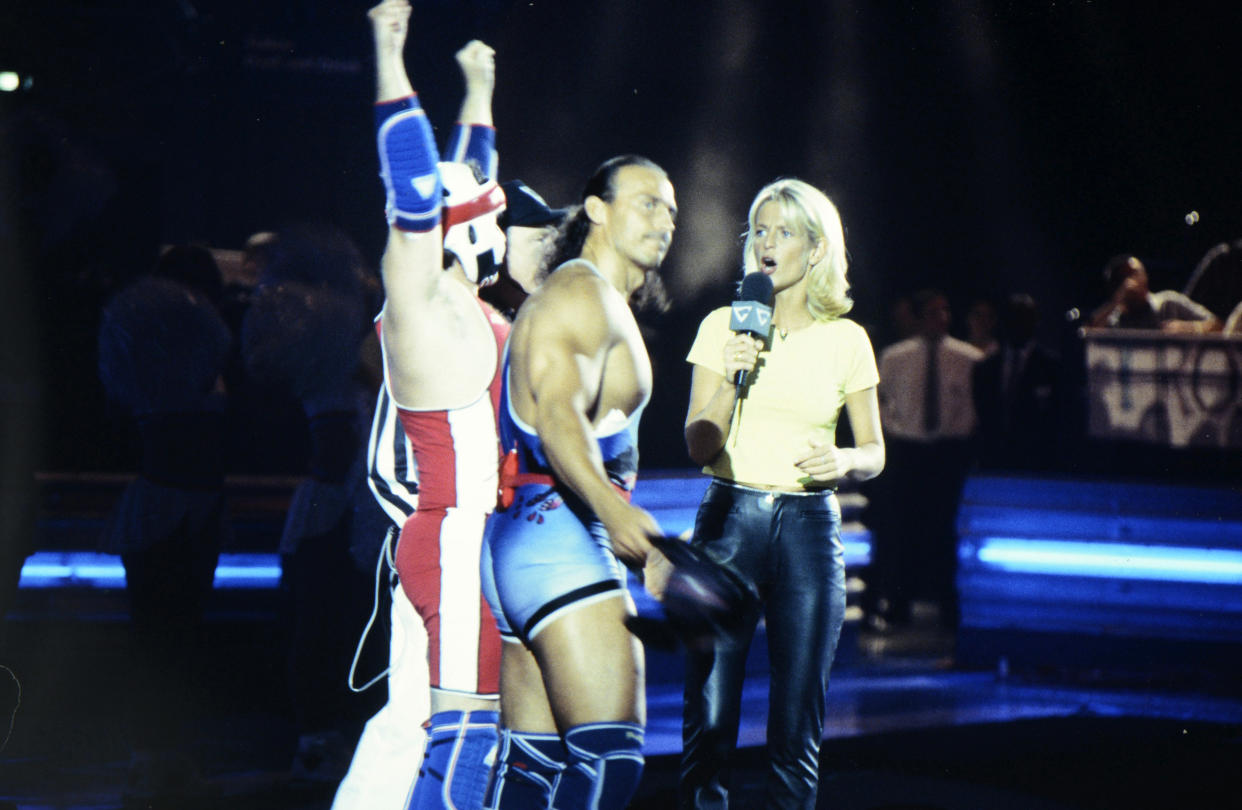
<point x="577" y="275"/>
<point x="574" y="285"/>
<point x="574" y="304"/>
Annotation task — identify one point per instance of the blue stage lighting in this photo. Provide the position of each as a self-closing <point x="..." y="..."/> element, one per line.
<point x="1114" y="560"/>
<point x="248" y="571"/>
<point x="90" y="569"/>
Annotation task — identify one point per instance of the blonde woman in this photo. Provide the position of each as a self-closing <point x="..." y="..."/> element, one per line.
<point x="770" y="513"/>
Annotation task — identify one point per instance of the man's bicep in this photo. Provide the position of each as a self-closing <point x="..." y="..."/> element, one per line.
<point x="558" y="371"/>
<point x="567" y="350"/>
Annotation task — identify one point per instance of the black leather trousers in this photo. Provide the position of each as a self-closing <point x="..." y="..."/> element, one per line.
<point x="787" y="548"/>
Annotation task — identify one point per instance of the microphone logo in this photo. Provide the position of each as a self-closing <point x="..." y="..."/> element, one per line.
<point x="751" y="317"/>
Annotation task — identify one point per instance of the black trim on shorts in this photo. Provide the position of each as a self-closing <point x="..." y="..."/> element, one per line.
<point x="566" y="599"/>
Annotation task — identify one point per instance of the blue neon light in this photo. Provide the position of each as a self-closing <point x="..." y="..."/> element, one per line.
<point x="72" y="569"/>
<point x="248" y="571"/>
<point x="91" y="569"/>
<point x="857" y="551"/>
<point x="1116" y="560"/>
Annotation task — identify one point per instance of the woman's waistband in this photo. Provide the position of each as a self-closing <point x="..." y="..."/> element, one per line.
<point x="774" y="491"/>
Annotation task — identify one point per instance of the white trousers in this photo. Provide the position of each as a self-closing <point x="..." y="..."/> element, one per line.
<point x="390" y="750"/>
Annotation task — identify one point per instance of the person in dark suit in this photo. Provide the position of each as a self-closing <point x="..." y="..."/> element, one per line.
<point x="1015" y="391"/>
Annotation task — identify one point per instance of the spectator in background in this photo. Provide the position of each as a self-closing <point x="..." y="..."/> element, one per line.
<point x="266" y="424"/>
<point x="301" y="337"/>
<point x="162" y="348"/>
<point x="929" y="424"/>
<point x="981" y="324"/>
<point x="1132" y="305"/>
<point x="194" y="267"/>
<point x="240" y="285"/>
<point x="900" y="325"/>
<point x="1016" y="394"/>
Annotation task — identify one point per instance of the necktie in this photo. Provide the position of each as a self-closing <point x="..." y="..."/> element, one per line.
<point x="1009" y="376"/>
<point x="931" y="389"/>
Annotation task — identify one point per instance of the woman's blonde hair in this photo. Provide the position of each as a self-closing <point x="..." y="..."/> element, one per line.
<point x="827" y="293"/>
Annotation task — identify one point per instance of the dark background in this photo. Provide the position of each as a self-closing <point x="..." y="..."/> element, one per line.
<point x="977" y="145"/>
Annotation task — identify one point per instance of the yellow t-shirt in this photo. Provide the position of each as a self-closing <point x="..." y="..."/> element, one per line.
<point x="792" y="398"/>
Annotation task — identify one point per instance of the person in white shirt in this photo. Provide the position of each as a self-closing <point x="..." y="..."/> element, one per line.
<point x="929" y="421"/>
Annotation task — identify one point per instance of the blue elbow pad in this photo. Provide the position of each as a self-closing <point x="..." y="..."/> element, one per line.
<point x="474" y="145"/>
<point x="408" y="157"/>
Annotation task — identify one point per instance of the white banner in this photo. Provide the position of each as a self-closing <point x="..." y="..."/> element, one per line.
<point x="1169" y="389"/>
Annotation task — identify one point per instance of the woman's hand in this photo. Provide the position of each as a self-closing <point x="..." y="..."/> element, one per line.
<point x="825" y="462"/>
<point x="741" y="353"/>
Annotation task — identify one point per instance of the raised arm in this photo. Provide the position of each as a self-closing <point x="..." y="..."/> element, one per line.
<point x="390" y="22"/>
<point x="477" y="61"/>
<point x="473" y="140"/>
<point x="411" y="267"/>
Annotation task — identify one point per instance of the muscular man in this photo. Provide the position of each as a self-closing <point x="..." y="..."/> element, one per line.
<point x="577" y="377"/>
<point x="441" y="349"/>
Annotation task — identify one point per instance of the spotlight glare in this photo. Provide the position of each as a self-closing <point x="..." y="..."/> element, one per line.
<point x="9" y="81"/>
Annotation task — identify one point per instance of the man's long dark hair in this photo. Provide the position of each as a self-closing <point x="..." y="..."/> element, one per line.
<point x="572" y="234"/>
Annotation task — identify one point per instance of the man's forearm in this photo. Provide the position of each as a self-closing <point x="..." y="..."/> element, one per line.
<point x="390" y="77"/>
<point x="573" y="454"/>
<point x="476" y="107"/>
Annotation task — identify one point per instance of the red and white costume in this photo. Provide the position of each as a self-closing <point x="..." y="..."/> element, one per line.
<point x="457" y="455"/>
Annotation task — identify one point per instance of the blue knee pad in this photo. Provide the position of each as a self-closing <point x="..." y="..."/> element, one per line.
<point x="457" y="761"/>
<point x="605" y="764"/>
<point x="526" y="771"/>
<point x="408" y="157"/>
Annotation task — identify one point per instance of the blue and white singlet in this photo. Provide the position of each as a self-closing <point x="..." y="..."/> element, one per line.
<point x="547" y="552"/>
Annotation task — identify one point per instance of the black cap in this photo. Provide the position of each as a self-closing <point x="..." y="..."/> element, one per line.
<point x="526" y="209"/>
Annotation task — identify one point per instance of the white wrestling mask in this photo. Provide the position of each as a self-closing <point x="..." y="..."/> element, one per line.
<point x="471" y="231"/>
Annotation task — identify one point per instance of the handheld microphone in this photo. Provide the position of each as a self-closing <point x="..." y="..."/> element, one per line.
<point x="752" y="312"/>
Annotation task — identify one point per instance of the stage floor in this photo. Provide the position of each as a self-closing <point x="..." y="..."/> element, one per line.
<point x="906" y="729"/>
<point x="915" y="721"/>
